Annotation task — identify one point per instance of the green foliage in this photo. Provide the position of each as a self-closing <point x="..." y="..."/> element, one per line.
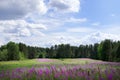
<point x="32" y="52"/>
<point x="23" y="49"/>
<point x="3" y="55"/>
<point x="22" y="56"/>
<point x="94" y="54"/>
<point x="13" y="51"/>
<point x="100" y="51"/>
<point x="105" y="50"/>
<point x="64" y="51"/>
<point x="42" y="55"/>
<point x="118" y="53"/>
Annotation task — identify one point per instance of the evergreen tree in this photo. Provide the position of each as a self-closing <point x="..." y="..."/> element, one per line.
<point x="13" y="51"/>
<point x="118" y="53"/>
<point x="23" y="49"/>
<point x="32" y="53"/>
<point x="95" y="52"/>
<point x="105" y="49"/>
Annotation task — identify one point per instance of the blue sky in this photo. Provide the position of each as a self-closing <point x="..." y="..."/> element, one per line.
<point x="49" y="22"/>
<point x="105" y="11"/>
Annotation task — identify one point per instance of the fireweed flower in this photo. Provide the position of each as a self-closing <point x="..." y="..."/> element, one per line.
<point x="47" y="71"/>
<point x="32" y="70"/>
<point x="110" y="76"/>
<point x="57" y="75"/>
<point x="53" y="68"/>
<point x="40" y="72"/>
<point x="101" y="78"/>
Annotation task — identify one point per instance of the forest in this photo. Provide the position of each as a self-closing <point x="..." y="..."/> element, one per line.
<point x="106" y="50"/>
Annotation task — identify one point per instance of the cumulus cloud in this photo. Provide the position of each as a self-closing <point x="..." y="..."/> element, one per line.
<point x="14" y="9"/>
<point x="15" y="25"/>
<point x="65" y="5"/>
<point x="97" y="37"/>
<point x="48" y="41"/>
<point x="91" y="38"/>
<point x="20" y="28"/>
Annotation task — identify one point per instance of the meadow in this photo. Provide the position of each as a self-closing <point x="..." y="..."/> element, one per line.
<point x="59" y="69"/>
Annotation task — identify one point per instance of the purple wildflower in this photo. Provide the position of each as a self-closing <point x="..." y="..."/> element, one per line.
<point x="40" y="72"/>
<point x="110" y="76"/>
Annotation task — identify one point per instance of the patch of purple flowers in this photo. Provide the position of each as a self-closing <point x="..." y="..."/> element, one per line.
<point x="45" y="60"/>
<point x="96" y="71"/>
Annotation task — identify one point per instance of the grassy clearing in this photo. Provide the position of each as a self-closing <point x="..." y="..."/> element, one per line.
<point x="78" y="61"/>
<point x="9" y="65"/>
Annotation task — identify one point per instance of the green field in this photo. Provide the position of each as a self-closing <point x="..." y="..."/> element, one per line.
<point x="8" y="65"/>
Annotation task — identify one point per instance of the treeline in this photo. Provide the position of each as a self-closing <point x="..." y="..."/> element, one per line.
<point x="19" y="51"/>
<point x="107" y="50"/>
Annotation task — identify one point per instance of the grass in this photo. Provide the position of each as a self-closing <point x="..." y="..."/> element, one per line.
<point x="9" y="65"/>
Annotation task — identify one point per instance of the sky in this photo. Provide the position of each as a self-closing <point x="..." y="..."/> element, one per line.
<point x="45" y="23"/>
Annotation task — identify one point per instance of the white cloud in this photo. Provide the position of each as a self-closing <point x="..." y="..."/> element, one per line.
<point x="111" y="28"/>
<point x="52" y="39"/>
<point x="15" y="24"/>
<point x="24" y="32"/>
<point x="65" y="5"/>
<point x="97" y="37"/>
<point x="20" y="28"/>
<point x="15" y="9"/>
<point x="2" y="39"/>
<point x="58" y="38"/>
<point x="41" y="7"/>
